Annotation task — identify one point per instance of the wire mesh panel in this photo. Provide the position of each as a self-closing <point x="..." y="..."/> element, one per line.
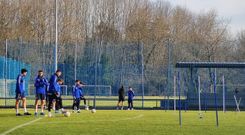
<point x="9" y="70"/>
<point x="98" y="90"/>
<point x="105" y="68"/>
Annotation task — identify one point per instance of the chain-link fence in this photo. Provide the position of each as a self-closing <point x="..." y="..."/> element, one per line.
<point x="112" y="65"/>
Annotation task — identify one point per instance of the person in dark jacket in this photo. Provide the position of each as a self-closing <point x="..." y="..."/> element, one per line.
<point x="121" y="98"/>
<point x="51" y="93"/>
<point x="56" y="97"/>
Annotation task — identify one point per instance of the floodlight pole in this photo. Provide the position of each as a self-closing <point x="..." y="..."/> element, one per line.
<point x="75" y="63"/>
<point x="5" y="75"/>
<point x="95" y="76"/>
<point x="142" y="73"/>
<point x="169" y="72"/>
<point x="56" y="37"/>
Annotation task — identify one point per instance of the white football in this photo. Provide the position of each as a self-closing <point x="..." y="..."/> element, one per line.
<point x="200" y="115"/>
<point x="93" y="111"/>
<point x="67" y="114"/>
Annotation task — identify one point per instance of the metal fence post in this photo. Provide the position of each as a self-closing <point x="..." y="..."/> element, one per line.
<point x="223" y="83"/>
<point x="180" y="116"/>
<point x="215" y="98"/>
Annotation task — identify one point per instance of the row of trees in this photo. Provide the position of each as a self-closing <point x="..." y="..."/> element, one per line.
<point x="99" y="26"/>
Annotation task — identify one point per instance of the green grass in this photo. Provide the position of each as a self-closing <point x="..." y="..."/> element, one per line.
<point x="137" y="122"/>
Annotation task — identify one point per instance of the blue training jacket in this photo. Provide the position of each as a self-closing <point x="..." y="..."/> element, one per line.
<point x="41" y="83"/>
<point x="130" y="95"/>
<point x="57" y="89"/>
<point x="53" y="83"/>
<point x="77" y="91"/>
<point x="20" y="84"/>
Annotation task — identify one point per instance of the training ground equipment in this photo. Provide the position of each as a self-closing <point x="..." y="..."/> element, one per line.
<point x="237" y="103"/>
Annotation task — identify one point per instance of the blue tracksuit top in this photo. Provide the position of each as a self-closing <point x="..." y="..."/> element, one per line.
<point x="53" y="83"/>
<point x="41" y="83"/>
<point x="20" y="84"/>
<point x="77" y="91"/>
<point x="130" y="95"/>
<point x="57" y="89"/>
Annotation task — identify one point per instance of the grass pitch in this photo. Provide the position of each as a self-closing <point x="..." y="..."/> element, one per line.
<point x="123" y="122"/>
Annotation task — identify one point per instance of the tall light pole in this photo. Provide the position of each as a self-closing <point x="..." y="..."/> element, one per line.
<point x="169" y="71"/>
<point x="142" y="74"/>
<point x="5" y="67"/>
<point x="75" y="61"/>
<point x="56" y="37"/>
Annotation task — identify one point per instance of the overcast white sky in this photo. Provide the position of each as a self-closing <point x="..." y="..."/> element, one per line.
<point x="234" y="10"/>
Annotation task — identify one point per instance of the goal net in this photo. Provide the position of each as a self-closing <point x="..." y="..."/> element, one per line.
<point x="32" y="90"/>
<point x="98" y="90"/>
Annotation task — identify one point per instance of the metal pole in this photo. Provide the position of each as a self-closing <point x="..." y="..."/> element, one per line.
<point x="199" y="93"/>
<point x="142" y="73"/>
<point x="95" y="75"/>
<point x="75" y="61"/>
<point x="174" y="93"/>
<point x="223" y="82"/>
<point x="215" y="98"/>
<point x="186" y="100"/>
<point x="180" y="116"/>
<point x="56" y="37"/>
<point x="205" y="96"/>
<point x="169" y="72"/>
<point x="5" y="72"/>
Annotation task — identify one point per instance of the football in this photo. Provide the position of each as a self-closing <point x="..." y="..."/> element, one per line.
<point x="200" y="116"/>
<point x="93" y="111"/>
<point x="67" y="114"/>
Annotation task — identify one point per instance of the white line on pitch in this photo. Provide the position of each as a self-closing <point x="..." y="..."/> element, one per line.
<point x="20" y="126"/>
<point x="75" y="122"/>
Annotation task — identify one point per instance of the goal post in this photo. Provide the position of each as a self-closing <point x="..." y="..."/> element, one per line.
<point x="64" y="90"/>
<point x="96" y="90"/>
<point x="214" y="66"/>
<point x="32" y="90"/>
